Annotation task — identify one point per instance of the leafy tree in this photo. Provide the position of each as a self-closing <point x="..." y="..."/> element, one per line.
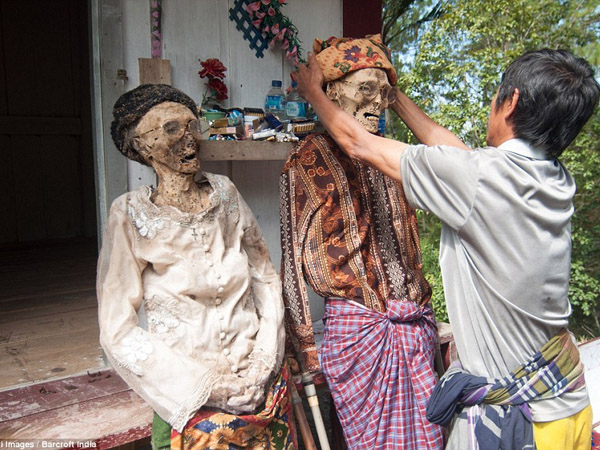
<point x="451" y="66"/>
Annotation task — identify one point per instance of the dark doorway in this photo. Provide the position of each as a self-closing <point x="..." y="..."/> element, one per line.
<point x="48" y="243"/>
<point x="46" y="156"/>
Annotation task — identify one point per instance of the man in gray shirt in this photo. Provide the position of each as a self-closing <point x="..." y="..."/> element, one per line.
<point x="505" y="245"/>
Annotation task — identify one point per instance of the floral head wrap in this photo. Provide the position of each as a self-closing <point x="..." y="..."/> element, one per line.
<point x="340" y="56"/>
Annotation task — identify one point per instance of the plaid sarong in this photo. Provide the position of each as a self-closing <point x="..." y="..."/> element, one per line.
<point x="271" y="428"/>
<point x="379" y="368"/>
<point x="506" y="419"/>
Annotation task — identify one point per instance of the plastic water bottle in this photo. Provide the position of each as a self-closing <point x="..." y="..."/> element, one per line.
<point x="296" y="106"/>
<point x="275" y="101"/>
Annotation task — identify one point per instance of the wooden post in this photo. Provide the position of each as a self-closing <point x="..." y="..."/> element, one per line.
<point x="154" y="71"/>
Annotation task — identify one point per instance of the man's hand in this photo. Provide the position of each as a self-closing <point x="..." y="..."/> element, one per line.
<point x="309" y="77"/>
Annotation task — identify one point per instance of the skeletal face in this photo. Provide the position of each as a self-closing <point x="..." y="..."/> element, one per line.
<point x="164" y="138"/>
<point x="363" y="94"/>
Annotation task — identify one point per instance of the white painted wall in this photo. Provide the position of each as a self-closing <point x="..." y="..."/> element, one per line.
<point x="195" y="30"/>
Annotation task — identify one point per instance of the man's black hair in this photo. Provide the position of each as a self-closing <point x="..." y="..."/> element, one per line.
<point x="557" y="95"/>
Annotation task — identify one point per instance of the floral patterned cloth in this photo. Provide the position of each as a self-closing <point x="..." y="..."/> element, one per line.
<point x="339" y="56"/>
<point x="272" y="428"/>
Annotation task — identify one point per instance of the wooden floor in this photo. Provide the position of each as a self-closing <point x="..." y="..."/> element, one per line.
<point x="48" y="312"/>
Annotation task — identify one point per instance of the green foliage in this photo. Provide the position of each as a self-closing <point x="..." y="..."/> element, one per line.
<point x="451" y="67"/>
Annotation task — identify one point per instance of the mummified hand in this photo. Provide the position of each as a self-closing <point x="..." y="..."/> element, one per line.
<point x="252" y="398"/>
<point x="226" y="386"/>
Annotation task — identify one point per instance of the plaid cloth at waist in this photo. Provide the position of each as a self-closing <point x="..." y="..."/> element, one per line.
<point x="504" y="420"/>
<point x="379" y="368"/>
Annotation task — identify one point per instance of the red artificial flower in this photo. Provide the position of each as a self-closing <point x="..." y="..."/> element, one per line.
<point x="212" y="68"/>
<point x="271" y="11"/>
<point x="219" y="88"/>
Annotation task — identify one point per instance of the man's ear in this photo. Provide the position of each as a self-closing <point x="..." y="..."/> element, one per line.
<point x="511" y="104"/>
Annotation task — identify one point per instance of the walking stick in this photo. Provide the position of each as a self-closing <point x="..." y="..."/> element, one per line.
<point x="313" y="402"/>
<point x="307" y="437"/>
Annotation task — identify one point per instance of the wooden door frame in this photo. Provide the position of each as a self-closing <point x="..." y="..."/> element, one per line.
<point x="106" y="40"/>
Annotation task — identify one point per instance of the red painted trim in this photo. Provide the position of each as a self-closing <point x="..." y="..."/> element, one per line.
<point x="362" y="17"/>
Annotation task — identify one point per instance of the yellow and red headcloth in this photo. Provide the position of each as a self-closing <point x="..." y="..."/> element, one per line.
<point x="340" y="56"/>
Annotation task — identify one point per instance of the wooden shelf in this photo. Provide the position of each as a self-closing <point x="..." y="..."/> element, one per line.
<point x="245" y="150"/>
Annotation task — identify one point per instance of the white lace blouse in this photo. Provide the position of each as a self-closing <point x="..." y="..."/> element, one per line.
<point x="211" y="295"/>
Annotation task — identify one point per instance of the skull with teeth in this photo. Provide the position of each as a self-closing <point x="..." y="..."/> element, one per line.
<point x="364" y="94"/>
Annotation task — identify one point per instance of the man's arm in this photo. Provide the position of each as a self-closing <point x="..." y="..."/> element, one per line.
<point x="423" y="127"/>
<point x="381" y="153"/>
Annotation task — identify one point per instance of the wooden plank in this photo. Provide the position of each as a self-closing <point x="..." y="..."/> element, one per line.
<point x="107" y="58"/>
<point x="155" y="71"/>
<point x="45" y="305"/>
<point x="49" y="395"/>
<point x="19" y="332"/>
<point x="244" y="150"/>
<point x="59" y="355"/>
<point x="40" y="125"/>
<point x="191" y="31"/>
<point x="106" y="420"/>
<point x="19" y="286"/>
<point x="261" y="192"/>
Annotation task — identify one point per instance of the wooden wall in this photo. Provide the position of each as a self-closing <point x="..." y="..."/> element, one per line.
<point x="195" y="30"/>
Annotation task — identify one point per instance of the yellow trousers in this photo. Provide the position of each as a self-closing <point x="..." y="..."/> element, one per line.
<point x="571" y="433"/>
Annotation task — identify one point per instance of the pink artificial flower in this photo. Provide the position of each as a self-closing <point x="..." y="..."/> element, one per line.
<point x="280" y="36"/>
<point x="253" y="6"/>
<point x="282" y="2"/>
<point x="275" y="29"/>
<point x="266" y="29"/>
<point x="292" y="53"/>
<point x="271" y="11"/>
<point x="260" y="15"/>
<point x="266" y="2"/>
<point x="285" y="44"/>
<point x="256" y="23"/>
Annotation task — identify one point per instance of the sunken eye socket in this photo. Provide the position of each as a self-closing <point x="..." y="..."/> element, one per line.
<point x="367" y="89"/>
<point x="370" y="91"/>
<point x="172" y="127"/>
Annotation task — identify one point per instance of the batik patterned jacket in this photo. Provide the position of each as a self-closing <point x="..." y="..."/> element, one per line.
<point x="348" y="231"/>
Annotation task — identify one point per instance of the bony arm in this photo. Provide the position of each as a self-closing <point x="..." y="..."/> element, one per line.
<point x="267" y="354"/>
